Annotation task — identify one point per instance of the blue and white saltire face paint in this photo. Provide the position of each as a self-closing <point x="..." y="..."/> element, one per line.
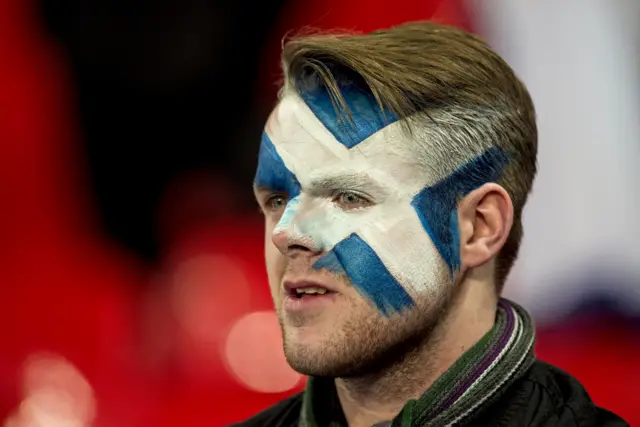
<point x="398" y="247"/>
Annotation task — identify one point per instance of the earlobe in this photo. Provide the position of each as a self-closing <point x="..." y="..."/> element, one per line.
<point x="485" y="218"/>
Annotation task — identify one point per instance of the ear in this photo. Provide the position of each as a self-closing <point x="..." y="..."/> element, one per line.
<point x="485" y="218"/>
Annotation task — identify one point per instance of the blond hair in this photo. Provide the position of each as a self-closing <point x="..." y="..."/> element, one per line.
<point x="459" y="96"/>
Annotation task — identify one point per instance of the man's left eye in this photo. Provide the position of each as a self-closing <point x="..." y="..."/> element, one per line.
<point x="351" y="200"/>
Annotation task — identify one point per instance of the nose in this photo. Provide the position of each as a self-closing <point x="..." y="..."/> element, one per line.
<point x="294" y="244"/>
<point x="291" y="236"/>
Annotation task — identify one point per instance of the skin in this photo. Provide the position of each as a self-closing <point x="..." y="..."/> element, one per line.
<point x="378" y="362"/>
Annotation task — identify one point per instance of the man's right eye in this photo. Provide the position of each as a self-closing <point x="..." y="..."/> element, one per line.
<point x="276" y="202"/>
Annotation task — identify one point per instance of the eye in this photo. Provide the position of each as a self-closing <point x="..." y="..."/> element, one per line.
<point x="275" y="203"/>
<point x="349" y="200"/>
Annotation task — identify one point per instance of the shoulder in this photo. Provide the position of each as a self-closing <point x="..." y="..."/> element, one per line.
<point x="546" y="396"/>
<point x="283" y="414"/>
<point x="569" y="399"/>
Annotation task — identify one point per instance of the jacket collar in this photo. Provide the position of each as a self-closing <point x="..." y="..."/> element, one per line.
<point x="475" y="381"/>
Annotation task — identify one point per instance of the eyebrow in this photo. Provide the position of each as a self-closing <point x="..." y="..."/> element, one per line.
<point x="259" y="190"/>
<point x="356" y="181"/>
<point x="352" y="181"/>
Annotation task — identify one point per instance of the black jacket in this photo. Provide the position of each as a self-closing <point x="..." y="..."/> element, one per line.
<point x="544" y="396"/>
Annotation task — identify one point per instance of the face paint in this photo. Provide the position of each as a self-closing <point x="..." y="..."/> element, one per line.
<point x="367" y="116"/>
<point x="393" y="248"/>
<point x="440" y="219"/>
<point x="272" y="172"/>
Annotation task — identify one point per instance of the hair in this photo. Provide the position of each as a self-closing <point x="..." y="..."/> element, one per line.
<point x="459" y="97"/>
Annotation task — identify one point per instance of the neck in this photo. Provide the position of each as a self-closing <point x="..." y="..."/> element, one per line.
<point x="379" y="397"/>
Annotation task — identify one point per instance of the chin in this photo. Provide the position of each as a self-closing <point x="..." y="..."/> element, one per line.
<point x="304" y="340"/>
<point x="309" y="352"/>
<point x="315" y="364"/>
<point x="323" y="363"/>
<point x="324" y="356"/>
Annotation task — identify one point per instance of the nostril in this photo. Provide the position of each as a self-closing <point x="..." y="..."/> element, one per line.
<point x="299" y="248"/>
<point x="295" y="245"/>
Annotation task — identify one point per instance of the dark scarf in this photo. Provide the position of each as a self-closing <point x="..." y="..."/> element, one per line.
<point x="476" y="380"/>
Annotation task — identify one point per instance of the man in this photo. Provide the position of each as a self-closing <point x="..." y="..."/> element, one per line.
<point x="392" y="175"/>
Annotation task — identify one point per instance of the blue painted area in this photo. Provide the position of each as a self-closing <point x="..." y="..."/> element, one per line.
<point x="368" y="118"/>
<point x="289" y="213"/>
<point x="272" y="173"/>
<point x="329" y="262"/>
<point x="367" y="273"/>
<point x="437" y="205"/>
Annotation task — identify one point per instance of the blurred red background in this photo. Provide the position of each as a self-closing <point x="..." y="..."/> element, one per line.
<point x="88" y="331"/>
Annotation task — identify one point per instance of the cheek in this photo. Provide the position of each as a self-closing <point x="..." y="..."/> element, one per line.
<point x="389" y="258"/>
<point x="268" y="231"/>
<point x="275" y="261"/>
<point x="409" y="253"/>
<point x="327" y="226"/>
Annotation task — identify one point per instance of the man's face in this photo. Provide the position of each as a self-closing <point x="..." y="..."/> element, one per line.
<point x="352" y="270"/>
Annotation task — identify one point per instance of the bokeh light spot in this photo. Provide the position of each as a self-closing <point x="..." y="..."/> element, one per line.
<point x="254" y="354"/>
<point x="208" y="292"/>
<point x="55" y="394"/>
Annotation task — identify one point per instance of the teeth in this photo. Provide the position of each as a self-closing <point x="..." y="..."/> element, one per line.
<point x="320" y="291"/>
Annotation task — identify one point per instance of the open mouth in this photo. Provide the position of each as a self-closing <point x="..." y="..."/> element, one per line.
<point x="308" y="292"/>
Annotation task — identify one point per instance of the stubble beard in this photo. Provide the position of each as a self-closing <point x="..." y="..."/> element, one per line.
<point x="367" y="343"/>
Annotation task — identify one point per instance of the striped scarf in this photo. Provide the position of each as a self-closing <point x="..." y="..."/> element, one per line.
<point x="475" y="381"/>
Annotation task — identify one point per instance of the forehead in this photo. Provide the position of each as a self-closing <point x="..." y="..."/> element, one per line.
<point x="311" y="145"/>
<point x="303" y="142"/>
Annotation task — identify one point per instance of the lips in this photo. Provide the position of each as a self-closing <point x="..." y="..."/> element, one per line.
<point x="307" y="297"/>
<point x="300" y="289"/>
